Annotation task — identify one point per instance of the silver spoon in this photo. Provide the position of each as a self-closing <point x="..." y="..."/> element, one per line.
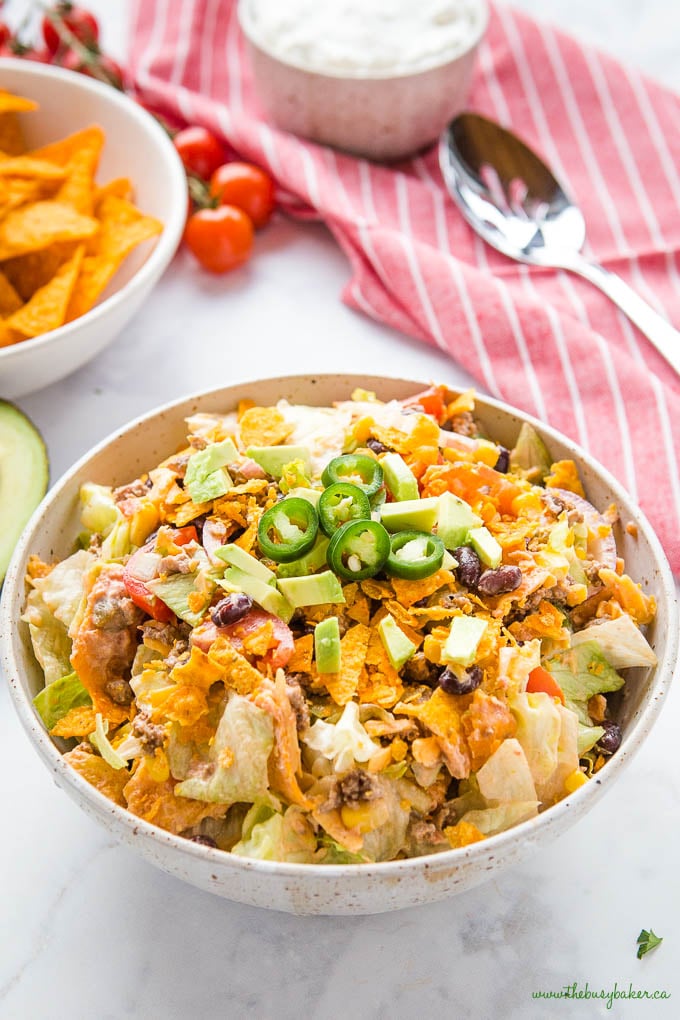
<point x="511" y="198"/>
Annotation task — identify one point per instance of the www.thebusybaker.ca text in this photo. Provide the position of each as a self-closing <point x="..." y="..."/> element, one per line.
<point x="575" y="991"/>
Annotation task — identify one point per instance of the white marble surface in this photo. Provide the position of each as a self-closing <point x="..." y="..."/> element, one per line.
<point x="89" y="929"/>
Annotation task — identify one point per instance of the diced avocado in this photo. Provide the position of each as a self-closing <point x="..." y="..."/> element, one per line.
<point x="266" y="595"/>
<point x="410" y="514"/>
<point x="309" y="563"/>
<point x="463" y="640"/>
<point x="399" y="648"/>
<point x="327" y="645"/>
<point x="449" y="562"/>
<point x="454" y="519"/>
<point x="24" y="472"/>
<point x="56" y="699"/>
<point x="530" y="455"/>
<point x="314" y="590"/>
<point x="311" y="495"/>
<point x="206" y="477"/>
<point x="174" y="590"/>
<point x="235" y="556"/>
<point x="486" y="546"/>
<point x="399" y="478"/>
<point x="273" y="459"/>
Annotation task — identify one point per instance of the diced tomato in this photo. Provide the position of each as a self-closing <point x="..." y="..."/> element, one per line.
<point x="431" y="401"/>
<point x="542" y="682"/>
<point x="277" y="656"/>
<point x="140" y="568"/>
<point x="182" y="536"/>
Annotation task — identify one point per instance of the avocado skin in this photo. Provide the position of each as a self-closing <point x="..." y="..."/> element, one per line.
<point x="24" y="476"/>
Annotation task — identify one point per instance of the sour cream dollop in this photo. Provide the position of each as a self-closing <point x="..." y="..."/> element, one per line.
<point x="375" y="37"/>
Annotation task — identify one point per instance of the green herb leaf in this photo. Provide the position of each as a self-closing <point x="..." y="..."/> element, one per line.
<point x="647" y="941"/>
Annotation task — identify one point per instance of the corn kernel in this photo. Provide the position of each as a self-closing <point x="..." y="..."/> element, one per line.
<point x="574" y="780"/>
<point x="399" y="749"/>
<point x="157" y="767"/>
<point x="144" y="520"/>
<point x="356" y="817"/>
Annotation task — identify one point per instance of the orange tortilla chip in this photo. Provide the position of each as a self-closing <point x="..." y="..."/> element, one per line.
<point x="263" y="426"/>
<point x="46" y="310"/>
<point x="342" y="686"/>
<point x="9" y="336"/>
<point x="200" y="670"/>
<point x="27" y="273"/>
<point x="463" y="834"/>
<point x="121" y="187"/>
<point x="486" y="724"/>
<point x="157" y="803"/>
<point x="36" y="226"/>
<point x="78" y="722"/>
<point x="236" y="671"/>
<point x="11" y="135"/>
<point x="408" y="592"/>
<point x="9" y="103"/>
<point x="122" y="228"/>
<point x="98" y="773"/>
<point x="27" y="166"/>
<point x="301" y="659"/>
<point x="10" y="301"/>
<point x="62" y="151"/>
<point x="18" y="191"/>
<point x="78" y="189"/>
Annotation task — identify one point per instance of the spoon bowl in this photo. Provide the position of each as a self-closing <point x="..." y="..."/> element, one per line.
<point x="516" y="204"/>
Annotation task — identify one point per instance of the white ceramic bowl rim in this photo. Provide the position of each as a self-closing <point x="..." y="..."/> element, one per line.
<point x="249" y="29"/>
<point x="50" y="754"/>
<point x="173" y="227"/>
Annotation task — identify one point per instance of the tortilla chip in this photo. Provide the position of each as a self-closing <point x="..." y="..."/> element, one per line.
<point x="200" y="670"/>
<point x="263" y="426"/>
<point x="36" y="226"/>
<point x="301" y="659"/>
<point x="342" y="686"/>
<point x="46" y="310"/>
<point x="122" y="228"/>
<point x="182" y="704"/>
<point x="119" y="186"/>
<point x="486" y="724"/>
<point x="157" y="803"/>
<point x="64" y="149"/>
<point x="78" y="722"/>
<point x="236" y="671"/>
<point x="408" y="592"/>
<point x="78" y="190"/>
<point x="463" y="834"/>
<point x="9" y="103"/>
<point x="285" y="763"/>
<point x="10" y="301"/>
<point x="11" y="135"/>
<point x="98" y="772"/>
<point x="20" y="191"/>
<point x="27" y="273"/>
<point x="26" y="166"/>
<point x="258" y="642"/>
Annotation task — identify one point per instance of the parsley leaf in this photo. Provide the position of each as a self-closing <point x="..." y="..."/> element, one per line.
<point x="647" y="941"/>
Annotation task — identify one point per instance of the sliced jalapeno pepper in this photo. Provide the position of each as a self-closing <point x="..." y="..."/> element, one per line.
<point x="341" y="503"/>
<point x="287" y="530"/>
<point x="414" y="554"/>
<point x="358" y="550"/>
<point x="356" y="468"/>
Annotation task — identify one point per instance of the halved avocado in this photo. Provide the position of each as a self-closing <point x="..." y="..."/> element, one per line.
<point x="24" y="474"/>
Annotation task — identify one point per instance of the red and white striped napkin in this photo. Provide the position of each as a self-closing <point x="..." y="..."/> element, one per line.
<point x="542" y="340"/>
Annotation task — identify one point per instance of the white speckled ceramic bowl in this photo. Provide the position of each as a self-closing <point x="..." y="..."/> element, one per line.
<point x="136" y="147"/>
<point x="303" y="888"/>
<point x="381" y="116"/>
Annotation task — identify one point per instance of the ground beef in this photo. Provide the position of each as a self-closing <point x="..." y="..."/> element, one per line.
<point x="463" y="423"/>
<point x="178" y="654"/>
<point x="136" y="488"/>
<point x="113" y="609"/>
<point x="419" y="670"/>
<point x="178" y="564"/>
<point x="356" y="786"/>
<point x="150" y="734"/>
<point x="423" y="834"/>
<point x="298" y="704"/>
<point x="119" y="690"/>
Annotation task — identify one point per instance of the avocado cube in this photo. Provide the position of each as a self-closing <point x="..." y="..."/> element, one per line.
<point x="273" y="459"/>
<point x="399" y="478"/>
<point x="327" y="645"/>
<point x="314" y="590"/>
<point x="460" y="647"/>
<point x="311" y="495"/>
<point x="205" y="477"/>
<point x="454" y="520"/>
<point x="234" y="556"/>
<point x="309" y="563"/>
<point x="410" y="514"/>
<point x="486" y="546"/>
<point x="266" y="595"/>
<point x="399" y="648"/>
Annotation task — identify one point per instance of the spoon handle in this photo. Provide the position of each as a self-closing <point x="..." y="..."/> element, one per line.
<point x="658" y="330"/>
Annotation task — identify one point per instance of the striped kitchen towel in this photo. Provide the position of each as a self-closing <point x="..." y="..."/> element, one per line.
<point x="542" y="340"/>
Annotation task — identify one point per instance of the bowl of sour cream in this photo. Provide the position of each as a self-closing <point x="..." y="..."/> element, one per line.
<point x="379" y="78"/>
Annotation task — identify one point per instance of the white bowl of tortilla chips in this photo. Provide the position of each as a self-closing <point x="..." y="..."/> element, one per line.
<point x="326" y="888"/>
<point x="92" y="208"/>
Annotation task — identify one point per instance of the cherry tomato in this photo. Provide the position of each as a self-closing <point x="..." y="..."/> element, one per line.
<point x="278" y="655"/>
<point x="77" y="20"/>
<point x="5" y="34"/>
<point x="200" y="151"/>
<point x="247" y="187"/>
<point x="221" y="238"/>
<point x="140" y="568"/>
<point x="108" y="67"/>
<point x="542" y="681"/>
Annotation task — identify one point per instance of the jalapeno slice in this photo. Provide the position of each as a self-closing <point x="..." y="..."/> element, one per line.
<point x="358" y="550"/>
<point x="341" y="503"/>
<point x="288" y="530"/>
<point x="414" y="554"/>
<point x="356" y="468"/>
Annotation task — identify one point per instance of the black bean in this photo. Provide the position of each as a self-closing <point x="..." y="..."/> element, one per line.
<point x="419" y="670"/>
<point x="469" y="568"/>
<point x="203" y="840"/>
<point x="231" y="609"/>
<point x="499" y="581"/>
<point x="452" y="684"/>
<point x="503" y="462"/>
<point x="610" y="741"/>
<point x="376" y="446"/>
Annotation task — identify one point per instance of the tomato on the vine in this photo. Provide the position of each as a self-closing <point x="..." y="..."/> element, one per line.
<point x="79" y="22"/>
<point x="5" y="34"/>
<point x="221" y="238"/>
<point x="102" y="67"/>
<point x="247" y="187"/>
<point x="200" y="151"/>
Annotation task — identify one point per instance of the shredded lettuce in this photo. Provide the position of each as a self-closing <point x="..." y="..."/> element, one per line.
<point x="51" y="643"/>
<point x="277" y="837"/>
<point x="334" y="853"/>
<point x="117" y="543"/>
<point x="515" y="663"/>
<point x="59" y="697"/>
<point x="582" y="672"/>
<point x="388" y="839"/>
<point x="538" y="731"/>
<point x="294" y="476"/>
<point x="588" y="736"/>
<point x="506" y="775"/>
<point x="101" y="742"/>
<point x="620" y="640"/>
<point x="62" y="588"/>
<point x="237" y="766"/>
<point x="98" y="511"/>
<point x="497" y="819"/>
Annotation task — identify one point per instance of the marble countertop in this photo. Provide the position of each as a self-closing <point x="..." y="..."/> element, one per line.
<point x="91" y="929"/>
